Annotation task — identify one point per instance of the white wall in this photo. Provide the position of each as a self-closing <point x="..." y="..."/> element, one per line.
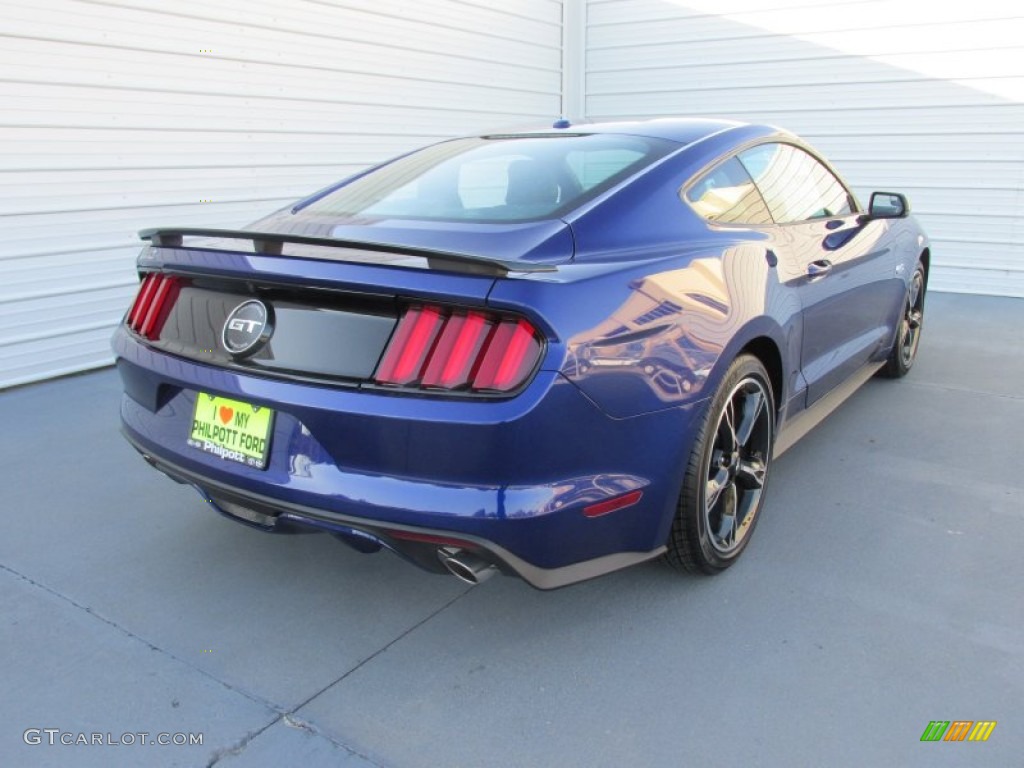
<point x="918" y="96"/>
<point x="124" y="114"/>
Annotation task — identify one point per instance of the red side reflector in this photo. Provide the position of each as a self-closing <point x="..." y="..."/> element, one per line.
<point x="612" y="505"/>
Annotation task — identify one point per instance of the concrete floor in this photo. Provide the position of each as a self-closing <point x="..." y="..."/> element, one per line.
<point x="882" y="590"/>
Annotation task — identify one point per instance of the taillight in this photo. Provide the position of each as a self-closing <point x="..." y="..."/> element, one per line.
<point x="456" y="349"/>
<point x="153" y="304"/>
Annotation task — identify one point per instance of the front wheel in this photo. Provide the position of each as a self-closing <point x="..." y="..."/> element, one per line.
<point x="908" y="335"/>
<point x="723" y="487"/>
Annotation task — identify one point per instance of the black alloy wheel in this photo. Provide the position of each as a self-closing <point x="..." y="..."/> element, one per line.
<point x="908" y="335"/>
<point x="724" y="487"/>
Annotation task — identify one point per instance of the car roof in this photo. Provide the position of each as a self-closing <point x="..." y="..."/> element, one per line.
<point x="685" y="130"/>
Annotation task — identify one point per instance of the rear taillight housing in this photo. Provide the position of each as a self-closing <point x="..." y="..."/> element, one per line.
<point x="153" y="304"/>
<point x="445" y="349"/>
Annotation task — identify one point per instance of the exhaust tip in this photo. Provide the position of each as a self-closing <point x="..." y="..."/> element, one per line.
<point x="243" y="514"/>
<point x="467" y="567"/>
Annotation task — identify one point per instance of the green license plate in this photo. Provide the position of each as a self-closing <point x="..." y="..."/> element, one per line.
<point x="231" y="429"/>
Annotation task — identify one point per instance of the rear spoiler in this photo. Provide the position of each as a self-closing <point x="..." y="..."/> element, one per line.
<point x="272" y="244"/>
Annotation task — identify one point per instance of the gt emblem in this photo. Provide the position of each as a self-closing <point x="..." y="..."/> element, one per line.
<point x="246" y="326"/>
<point x="249" y="326"/>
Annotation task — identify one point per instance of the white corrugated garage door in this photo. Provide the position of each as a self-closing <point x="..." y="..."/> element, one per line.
<point x="123" y="114"/>
<point x="917" y="96"/>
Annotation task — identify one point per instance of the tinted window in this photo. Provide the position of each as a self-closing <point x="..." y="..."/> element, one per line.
<point x="727" y="194"/>
<point x="795" y="185"/>
<point x="507" y="178"/>
<point x="593" y="166"/>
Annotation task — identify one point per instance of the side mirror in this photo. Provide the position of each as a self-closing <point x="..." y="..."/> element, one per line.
<point x="886" y="205"/>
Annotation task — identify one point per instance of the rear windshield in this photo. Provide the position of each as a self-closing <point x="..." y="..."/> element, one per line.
<point x="513" y="178"/>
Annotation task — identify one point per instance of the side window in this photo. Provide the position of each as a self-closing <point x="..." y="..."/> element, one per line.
<point x="727" y="195"/>
<point x="795" y="186"/>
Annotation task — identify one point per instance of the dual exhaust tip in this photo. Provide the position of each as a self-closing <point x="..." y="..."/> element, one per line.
<point x="465" y="566"/>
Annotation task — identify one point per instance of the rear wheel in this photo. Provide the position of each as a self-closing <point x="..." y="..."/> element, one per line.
<point x="723" y="489"/>
<point x="908" y="335"/>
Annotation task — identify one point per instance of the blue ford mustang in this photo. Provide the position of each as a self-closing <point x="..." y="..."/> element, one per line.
<point x="551" y="354"/>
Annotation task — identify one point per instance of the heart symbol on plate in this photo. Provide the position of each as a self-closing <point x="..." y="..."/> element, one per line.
<point x="226" y="414"/>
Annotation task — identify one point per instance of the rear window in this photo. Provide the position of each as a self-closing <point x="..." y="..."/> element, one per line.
<point x="513" y="178"/>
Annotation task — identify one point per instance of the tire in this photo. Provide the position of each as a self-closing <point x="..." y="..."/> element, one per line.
<point x="908" y="334"/>
<point x="727" y="468"/>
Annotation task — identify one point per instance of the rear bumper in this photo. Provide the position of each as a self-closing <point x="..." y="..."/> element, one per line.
<point x="286" y="516"/>
<point x="509" y="477"/>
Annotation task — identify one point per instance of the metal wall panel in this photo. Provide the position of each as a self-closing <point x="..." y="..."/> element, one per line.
<point x="124" y="114"/>
<point x="923" y="97"/>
